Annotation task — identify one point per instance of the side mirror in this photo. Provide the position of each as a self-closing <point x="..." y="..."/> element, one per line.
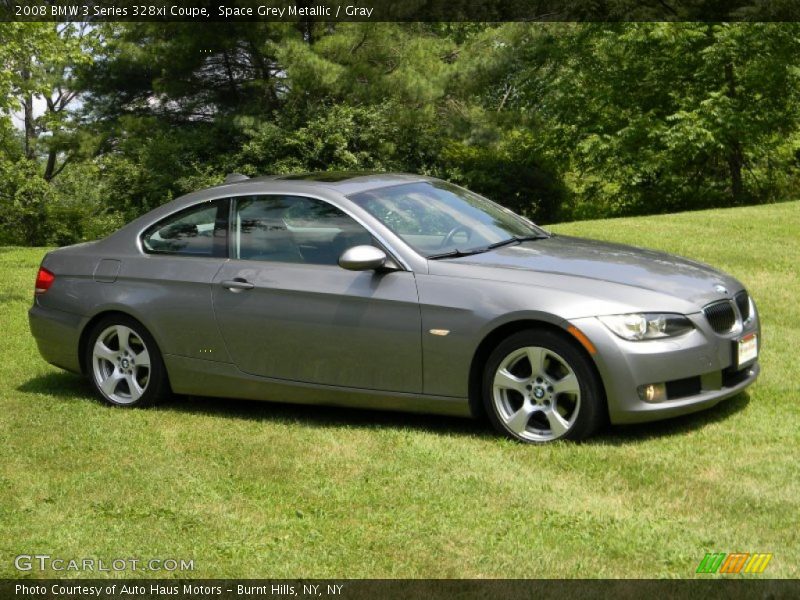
<point x="362" y="258"/>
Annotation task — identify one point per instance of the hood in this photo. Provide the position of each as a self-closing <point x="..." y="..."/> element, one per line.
<point x="602" y="262"/>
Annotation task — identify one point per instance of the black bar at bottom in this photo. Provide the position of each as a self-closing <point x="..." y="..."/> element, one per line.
<point x="380" y="589"/>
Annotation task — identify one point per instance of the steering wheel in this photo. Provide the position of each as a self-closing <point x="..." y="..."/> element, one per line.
<point x="448" y="239"/>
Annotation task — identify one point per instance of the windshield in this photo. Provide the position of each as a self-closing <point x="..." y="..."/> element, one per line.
<point x="436" y="218"/>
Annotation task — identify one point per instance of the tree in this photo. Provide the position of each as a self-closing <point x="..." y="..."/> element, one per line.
<point x="263" y="98"/>
<point x="40" y="62"/>
<point x="661" y="116"/>
<point x="186" y="72"/>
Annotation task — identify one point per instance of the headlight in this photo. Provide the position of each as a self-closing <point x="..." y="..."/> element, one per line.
<point x="647" y="326"/>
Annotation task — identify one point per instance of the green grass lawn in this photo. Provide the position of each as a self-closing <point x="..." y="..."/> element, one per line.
<point x="249" y="489"/>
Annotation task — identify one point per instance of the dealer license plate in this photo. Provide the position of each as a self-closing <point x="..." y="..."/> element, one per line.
<point x="746" y="349"/>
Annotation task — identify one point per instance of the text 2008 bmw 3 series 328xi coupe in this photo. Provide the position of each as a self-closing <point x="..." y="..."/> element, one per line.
<point x="395" y="292"/>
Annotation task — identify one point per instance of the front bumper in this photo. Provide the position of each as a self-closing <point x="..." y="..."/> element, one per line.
<point x="697" y="367"/>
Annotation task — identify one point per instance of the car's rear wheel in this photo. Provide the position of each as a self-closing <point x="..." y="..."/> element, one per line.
<point x="539" y="387"/>
<point x="124" y="363"/>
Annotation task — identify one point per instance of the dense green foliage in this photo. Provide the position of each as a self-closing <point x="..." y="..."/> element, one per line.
<point x="558" y="121"/>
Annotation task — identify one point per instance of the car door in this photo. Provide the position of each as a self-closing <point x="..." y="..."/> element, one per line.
<point x="170" y="282"/>
<point x="286" y="310"/>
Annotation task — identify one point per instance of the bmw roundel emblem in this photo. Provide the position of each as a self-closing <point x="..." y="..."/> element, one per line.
<point x="721" y="289"/>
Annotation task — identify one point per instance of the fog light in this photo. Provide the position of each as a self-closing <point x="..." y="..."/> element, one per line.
<point x="653" y="393"/>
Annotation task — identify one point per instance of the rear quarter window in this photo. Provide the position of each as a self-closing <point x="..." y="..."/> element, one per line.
<point x="200" y="230"/>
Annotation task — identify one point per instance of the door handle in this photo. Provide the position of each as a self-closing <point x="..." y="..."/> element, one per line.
<point x="237" y="285"/>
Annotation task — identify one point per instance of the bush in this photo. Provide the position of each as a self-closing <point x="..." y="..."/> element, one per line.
<point x="72" y="209"/>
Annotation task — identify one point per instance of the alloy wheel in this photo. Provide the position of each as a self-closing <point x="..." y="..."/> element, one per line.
<point x="536" y="394"/>
<point x="121" y="364"/>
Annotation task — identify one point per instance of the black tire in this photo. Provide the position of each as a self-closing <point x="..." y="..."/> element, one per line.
<point x="152" y="380"/>
<point x="559" y="355"/>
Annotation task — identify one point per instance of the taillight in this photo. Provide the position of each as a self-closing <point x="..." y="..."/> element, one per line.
<point x="44" y="280"/>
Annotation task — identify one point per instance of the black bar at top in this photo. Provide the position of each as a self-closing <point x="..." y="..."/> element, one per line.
<point x="400" y="10"/>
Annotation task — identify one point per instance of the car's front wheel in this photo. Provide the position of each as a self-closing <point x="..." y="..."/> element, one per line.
<point x="124" y="363"/>
<point x="539" y="387"/>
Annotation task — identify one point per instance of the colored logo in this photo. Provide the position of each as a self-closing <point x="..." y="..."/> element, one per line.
<point x="737" y="562"/>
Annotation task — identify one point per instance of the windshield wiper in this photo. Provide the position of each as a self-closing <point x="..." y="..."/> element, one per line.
<point x="515" y="239"/>
<point x="456" y="253"/>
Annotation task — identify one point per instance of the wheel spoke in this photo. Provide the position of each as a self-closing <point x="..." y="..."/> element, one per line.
<point x="133" y="386"/>
<point x="519" y="420"/>
<point x="536" y="357"/>
<point x="142" y="359"/>
<point x="109" y="384"/>
<point x="104" y="352"/>
<point x="567" y="385"/>
<point x="123" y="337"/>
<point x="558" y="425"/>
<point x="504" y="379"/>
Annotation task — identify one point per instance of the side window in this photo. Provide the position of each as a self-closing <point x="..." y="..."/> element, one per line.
<point x="197" y="231"/>
<point x="293" y="229"/>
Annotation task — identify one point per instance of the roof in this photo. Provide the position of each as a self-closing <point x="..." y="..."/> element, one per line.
<point x="344" y="182"/>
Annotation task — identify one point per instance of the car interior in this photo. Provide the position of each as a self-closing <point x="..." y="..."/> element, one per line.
<point x="298" y="230"/>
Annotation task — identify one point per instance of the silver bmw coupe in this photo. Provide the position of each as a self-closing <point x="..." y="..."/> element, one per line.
<point x="395" y="292"/>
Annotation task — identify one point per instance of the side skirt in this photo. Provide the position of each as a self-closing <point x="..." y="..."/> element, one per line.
<point x="197" y="377"/>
